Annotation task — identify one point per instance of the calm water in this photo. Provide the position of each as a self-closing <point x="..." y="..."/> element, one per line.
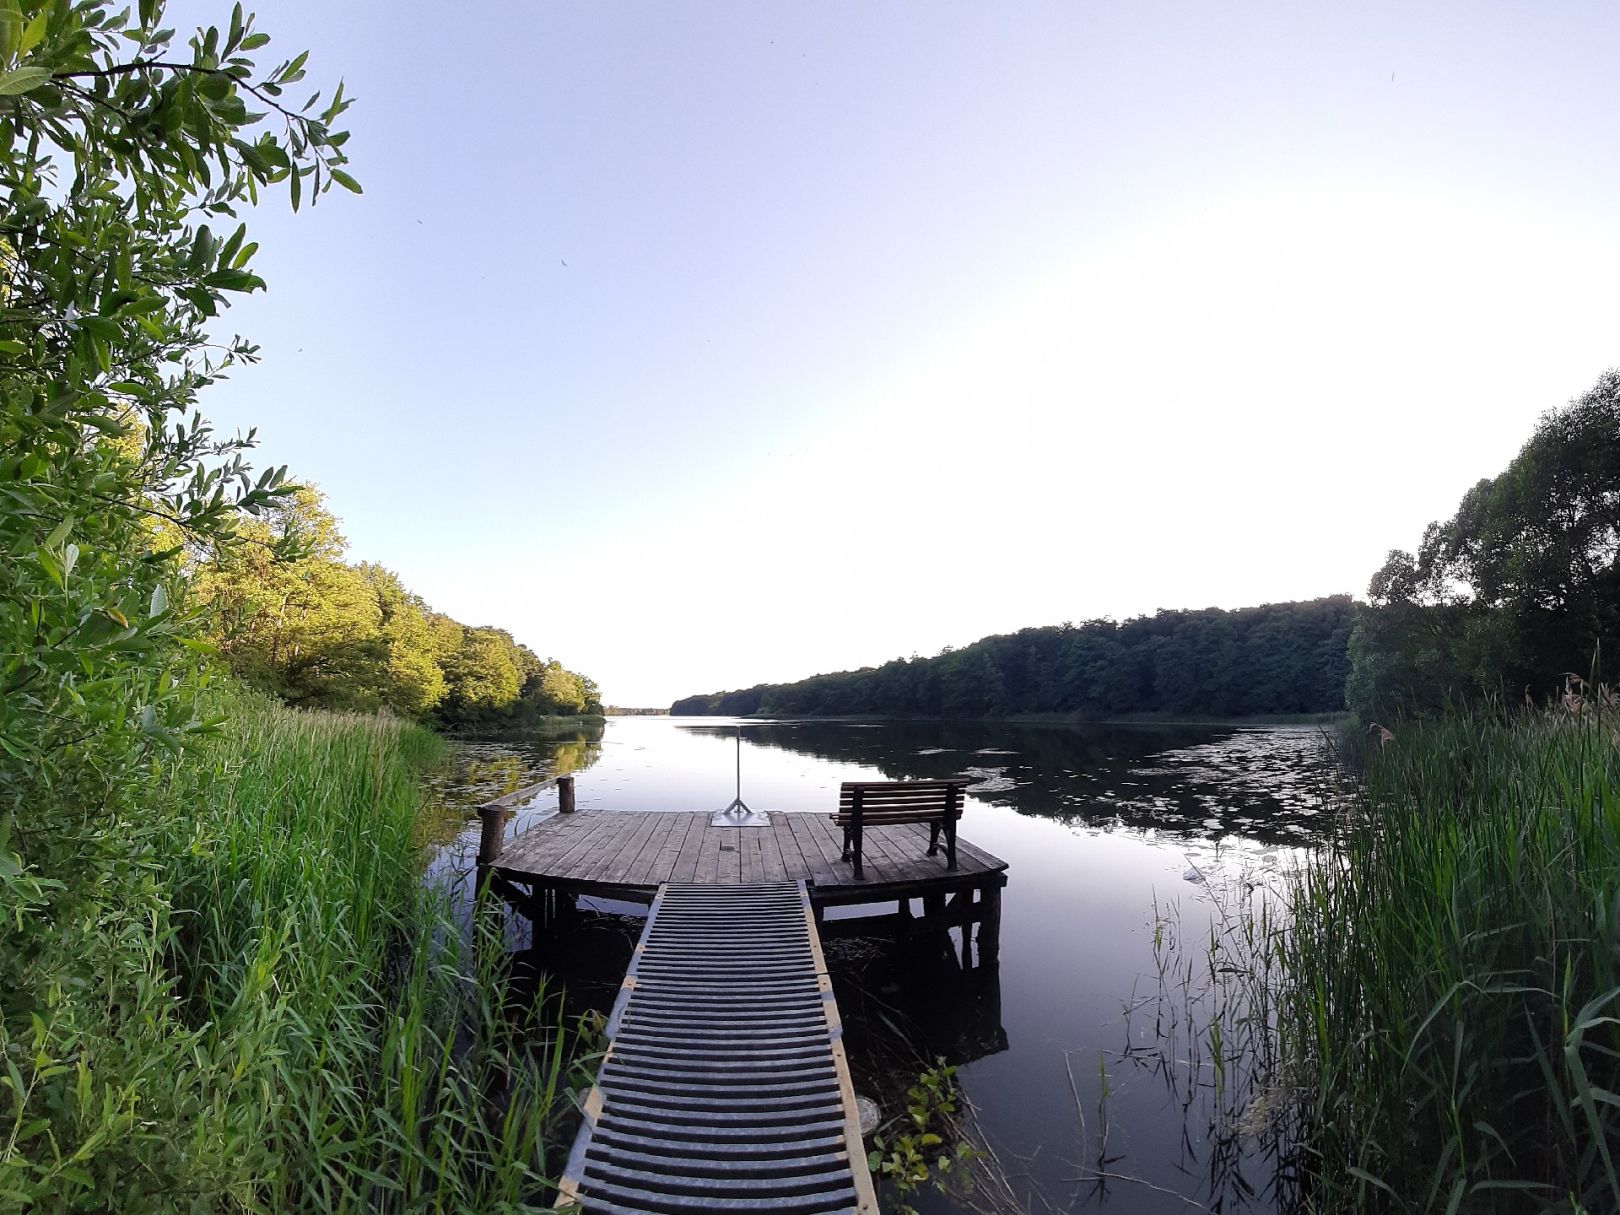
<point x="1088" y="1084"/>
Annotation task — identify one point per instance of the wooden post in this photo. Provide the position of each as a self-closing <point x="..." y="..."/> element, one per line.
<point x="990" y="925"/>
<point x="565" y="795"/>
<point x="493" y="836"/>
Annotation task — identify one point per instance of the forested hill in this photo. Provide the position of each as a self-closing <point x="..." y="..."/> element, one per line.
<point x="1279" y="658"/>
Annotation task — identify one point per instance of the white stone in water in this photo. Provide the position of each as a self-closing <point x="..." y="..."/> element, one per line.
<point x="869" y="1113"/>
<point x="1192" y="875"/>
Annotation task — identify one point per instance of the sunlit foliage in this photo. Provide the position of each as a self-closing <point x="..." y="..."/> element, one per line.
<point x="292" y="618"/>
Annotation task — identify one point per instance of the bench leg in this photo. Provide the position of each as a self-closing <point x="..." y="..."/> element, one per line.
<point x="855" y="830"/>
<point x="950" y="843"/>
<point x="933" y="837"/>
<point x="846" y="843"/>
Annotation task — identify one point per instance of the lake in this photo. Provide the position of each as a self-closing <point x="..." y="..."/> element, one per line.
<point x="1089" y="1058"/>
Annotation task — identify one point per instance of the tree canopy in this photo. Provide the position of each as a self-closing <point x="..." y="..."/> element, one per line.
<point x="1285" y="658"/>
<point x="1517" y="589"/>
<point x="292" y="618"/>
<point x="118" y="157"/>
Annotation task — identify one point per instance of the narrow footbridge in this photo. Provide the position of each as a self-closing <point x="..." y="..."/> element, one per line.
<point x="724" y="1087"/>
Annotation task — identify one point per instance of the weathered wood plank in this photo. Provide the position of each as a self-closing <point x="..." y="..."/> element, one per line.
<point x="708" y="862"/>
<point x="772" y="865"/>
<point x="639" y="850"/>
<point x="663" y="864"/>
<point x="749" y="856"/>
<point x="604" y="847"/>
<point x="555" y="841"/>
<point x="816" y="848"/>
<point x="686" y="864"/>
<point x="629" y="857"/>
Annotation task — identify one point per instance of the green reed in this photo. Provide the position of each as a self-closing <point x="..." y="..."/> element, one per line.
<point x="309" y="1029"/>
<point x="1448" y="985"/>
<point x="376" y="1065"/>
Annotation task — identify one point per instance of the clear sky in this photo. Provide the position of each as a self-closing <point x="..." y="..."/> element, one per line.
<point x="701" y="344"/>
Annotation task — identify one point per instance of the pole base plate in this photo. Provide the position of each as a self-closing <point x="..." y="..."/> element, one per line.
<point x="739" y="815"/>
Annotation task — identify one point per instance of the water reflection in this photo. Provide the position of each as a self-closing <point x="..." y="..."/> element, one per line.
<point x="478" y="771"/>
<point x="1266" y="784"/>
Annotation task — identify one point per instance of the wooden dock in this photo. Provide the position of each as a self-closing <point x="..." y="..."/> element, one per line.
<point x="628" y="854"/>
<point x="724" y="1086"/>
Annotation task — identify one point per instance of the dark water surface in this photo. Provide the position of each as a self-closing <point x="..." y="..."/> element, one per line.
<point x="1088" y="1063"/>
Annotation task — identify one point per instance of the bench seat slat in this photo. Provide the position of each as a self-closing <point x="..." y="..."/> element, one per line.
<point x="882" y="819"/>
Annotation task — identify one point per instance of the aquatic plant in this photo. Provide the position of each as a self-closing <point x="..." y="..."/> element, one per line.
<point x="924" y="1146"/>
<point x="1450" y="981"/>
<point x="1427" y="1015"/>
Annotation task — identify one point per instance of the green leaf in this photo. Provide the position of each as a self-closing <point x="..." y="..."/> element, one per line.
<point x="10" y="29"/>
<point x="20" y="80"/>
<point x="59" y="533"/>
<point x="51" y="566"/>
<point x="347" y="182"/>
<point x="35" y="31"/>
<point x="160" y="601"/>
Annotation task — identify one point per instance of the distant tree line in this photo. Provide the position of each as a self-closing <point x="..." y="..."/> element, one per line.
<point x="1283" y="658"/>
<point x="1516" y="591"/>
<point x="291" y="617"/>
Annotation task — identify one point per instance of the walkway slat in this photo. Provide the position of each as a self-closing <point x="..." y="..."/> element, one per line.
<point x="747" y="1105"/>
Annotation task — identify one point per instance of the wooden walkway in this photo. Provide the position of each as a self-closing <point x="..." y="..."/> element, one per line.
<point x="629" y="854"/>
<point x="724" y="1087"/>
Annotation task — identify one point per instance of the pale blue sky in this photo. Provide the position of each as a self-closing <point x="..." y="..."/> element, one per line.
<point x="886" y="326"/>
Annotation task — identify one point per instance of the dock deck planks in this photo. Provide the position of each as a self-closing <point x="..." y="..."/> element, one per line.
<point x="724" y="1086"/>
<point x="632" y="852"/>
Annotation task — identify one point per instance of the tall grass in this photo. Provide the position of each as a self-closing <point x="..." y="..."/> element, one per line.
<point x="1450" y="977"/>
<point x="312" y="1033"/>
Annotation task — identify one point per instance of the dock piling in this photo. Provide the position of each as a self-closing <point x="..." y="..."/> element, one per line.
<point x="492" y="836"/>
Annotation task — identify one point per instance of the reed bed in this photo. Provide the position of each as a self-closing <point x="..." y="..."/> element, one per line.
<point x="1451" y="975"/>
<point x="1426" y="1016"/>
<point x="310" y="1029"/>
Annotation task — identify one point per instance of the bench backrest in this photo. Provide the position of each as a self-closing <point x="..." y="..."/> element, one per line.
<point x="902" y="801"/>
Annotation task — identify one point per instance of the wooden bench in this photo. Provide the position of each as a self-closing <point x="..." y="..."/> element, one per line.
<point x="863" y="804"/>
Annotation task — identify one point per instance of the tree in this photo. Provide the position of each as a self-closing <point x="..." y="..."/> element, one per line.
<point x="116" y="156"/>
<point x="483" y="675"/>
<point x="1277" y="658"/>
<point x="119" y="156"/>
<point x="1517" y="588"/>
<point x="415" y="680"/>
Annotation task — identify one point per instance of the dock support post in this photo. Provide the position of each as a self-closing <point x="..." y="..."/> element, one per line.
<point x="565" y="795"/>
<point x="492" y="837"/>
<point x="990" y="924"/>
